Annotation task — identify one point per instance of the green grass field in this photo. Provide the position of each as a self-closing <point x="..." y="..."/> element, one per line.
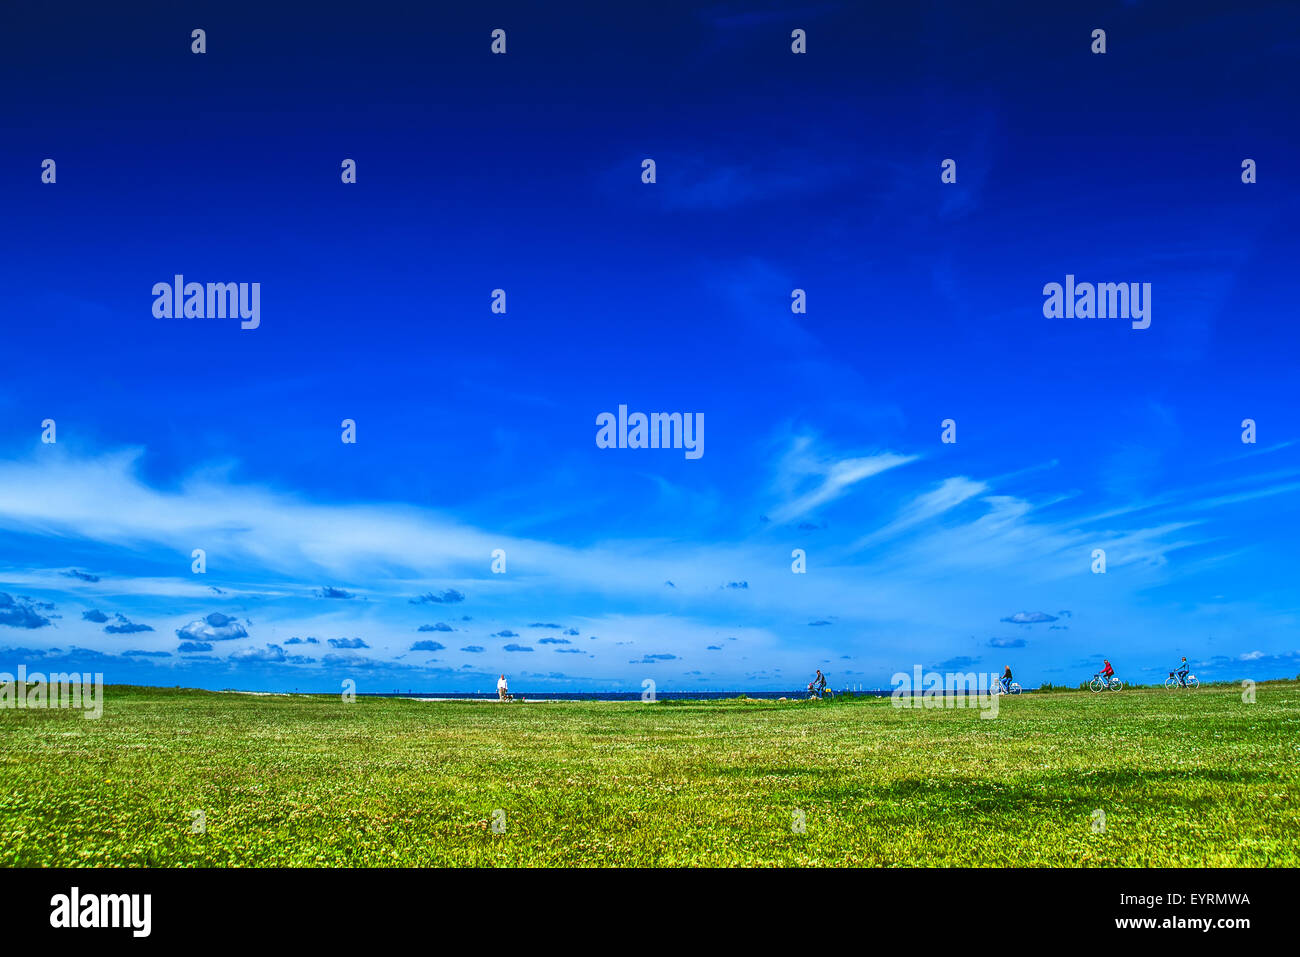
<point x="1188" y="778"/>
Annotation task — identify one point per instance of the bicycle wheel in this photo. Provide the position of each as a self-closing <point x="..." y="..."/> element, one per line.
<point x="1096" y="685"/>
<point x="1015" y="687"/>
<point x="1171" y="683"/>
<point x="1116" y="685"/>
<point x="1192" y="683"/>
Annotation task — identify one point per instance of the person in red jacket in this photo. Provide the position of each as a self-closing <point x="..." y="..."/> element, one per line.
<point x="1107" y="672"/>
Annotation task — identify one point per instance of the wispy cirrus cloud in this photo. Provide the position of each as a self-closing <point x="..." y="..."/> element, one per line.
<point x="929" y="505"/>
<point x="934" y="535"/>
<point x="815" y="481"/>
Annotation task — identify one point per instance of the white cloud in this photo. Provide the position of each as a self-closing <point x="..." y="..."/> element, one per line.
<point x="829" y="478"/>
<point x="950" y="493"/>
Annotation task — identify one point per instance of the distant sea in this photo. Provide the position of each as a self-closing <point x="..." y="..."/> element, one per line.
<point x="604" y="695"/>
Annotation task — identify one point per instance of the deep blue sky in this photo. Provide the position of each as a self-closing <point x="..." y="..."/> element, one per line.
<point x="476" y="431"/>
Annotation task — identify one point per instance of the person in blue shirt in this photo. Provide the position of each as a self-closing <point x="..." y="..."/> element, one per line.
<point x="1183" y="669"/>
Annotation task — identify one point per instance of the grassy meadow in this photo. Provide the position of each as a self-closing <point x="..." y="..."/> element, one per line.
<point x="1183" y="778"/>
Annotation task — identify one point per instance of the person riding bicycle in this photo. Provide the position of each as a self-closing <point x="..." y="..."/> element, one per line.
<point x="1006" y="680"/>
<point x="1183" y="670"/>
<point x="1107" y="672"/>
<point x="820" y="682"/>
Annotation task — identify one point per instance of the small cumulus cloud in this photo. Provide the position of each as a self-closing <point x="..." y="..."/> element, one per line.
<point x="21" y="612"/>
<point x="473" y="650"/>
<point x="349" y="643"/>
<point x="448" y="597"/>
<point x="125" y="626"/>
<point x="329" y="591"/>
<point x="513" y="647"/>
<point x="428" y="646"/>
<point x="436" y="626"/>
<point x="83" y="576"/>
<point x="272" y="653"/>
<point x="1029" y="618"/>
<point x="215" y="627"/>
<point x="1259" y="659"/>
<point x="356" y="662"/>
<point x="95" y="615"/>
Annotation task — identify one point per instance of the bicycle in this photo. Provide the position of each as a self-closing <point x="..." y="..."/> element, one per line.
<point x="1190" y="682"/>
<point x="1013" y="688"/>
<point x="1100" y="683"/>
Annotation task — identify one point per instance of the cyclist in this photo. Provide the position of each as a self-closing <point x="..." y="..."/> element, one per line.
<point x="1006" y="680"/>
<point x="820" y="682"/>
<point x="1107" y="672"/>
<point x="1182" y="671"/>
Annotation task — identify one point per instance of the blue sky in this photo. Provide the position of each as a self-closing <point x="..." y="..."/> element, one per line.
<point x="477" y="431"/>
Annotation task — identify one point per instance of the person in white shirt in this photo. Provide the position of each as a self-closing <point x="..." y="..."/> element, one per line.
<point x="501" y="688"/>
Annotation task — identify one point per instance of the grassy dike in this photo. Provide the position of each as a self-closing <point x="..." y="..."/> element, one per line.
<point x="1187" y="778"/>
